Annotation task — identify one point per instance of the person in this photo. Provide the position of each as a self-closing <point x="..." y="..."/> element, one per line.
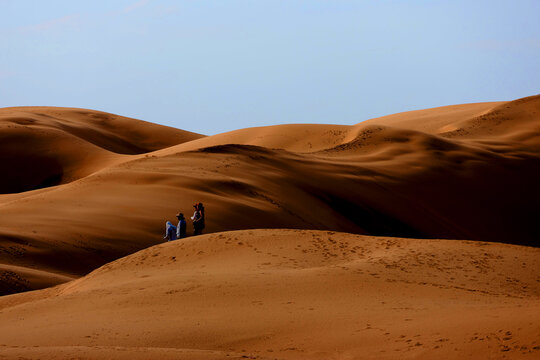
<point x="198" y="219"/>
<point x="181" y="228"/>
<point x="170" y="231"/>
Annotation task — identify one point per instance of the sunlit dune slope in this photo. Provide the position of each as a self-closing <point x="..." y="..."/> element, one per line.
<point x="303" y="138"/>
<point x="45" y="146"/>
<point x="289" y="294"/>
<point x="435" y="120"/>
<point x="517" y="120"/>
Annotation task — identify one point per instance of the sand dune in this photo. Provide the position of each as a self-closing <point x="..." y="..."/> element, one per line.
<point x="476" y="183"/>
<point x="510" y="120"/>
<point x="289" y="294"/>
<point x="46" y="146"/>
<point x="513" y="121"/>
<point x="303" y="138"/>
<point x="82" y="189"/>
<point x="436" y="120"/>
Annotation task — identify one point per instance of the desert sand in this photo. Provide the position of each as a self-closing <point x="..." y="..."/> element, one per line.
<point x="417" y="237"/>
<point x="289" y="294"/>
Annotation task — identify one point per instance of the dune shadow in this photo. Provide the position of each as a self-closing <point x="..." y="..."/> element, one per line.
<point x="29" y="174"/>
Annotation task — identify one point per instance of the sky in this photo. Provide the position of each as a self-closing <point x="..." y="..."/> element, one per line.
<point x="216" y="66"/>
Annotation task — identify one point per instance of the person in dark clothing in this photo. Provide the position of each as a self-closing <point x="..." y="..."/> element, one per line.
<point x="198" y="219"/>
<point x="182" y="225"/>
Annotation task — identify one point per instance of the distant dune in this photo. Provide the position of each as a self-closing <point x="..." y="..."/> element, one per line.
<point x="83" y="188"/>
<point x="437" y="120"/>
<point x="46" y="146"/>
<point x="288" y="294"/>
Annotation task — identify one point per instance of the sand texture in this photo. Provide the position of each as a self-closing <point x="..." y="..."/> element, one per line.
<point x="116" y="180"/>
<point x="417" y="237"/>
<point x="289" y="294"/>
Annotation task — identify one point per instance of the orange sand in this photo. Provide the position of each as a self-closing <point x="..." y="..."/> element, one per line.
<point x="81" y="188"/>
<point x="289" y="294"/>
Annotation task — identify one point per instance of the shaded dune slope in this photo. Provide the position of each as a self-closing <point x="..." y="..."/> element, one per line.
<point x="289" y="294"/>
<point x="46" y="146"/>
<point x="473" y="177"/>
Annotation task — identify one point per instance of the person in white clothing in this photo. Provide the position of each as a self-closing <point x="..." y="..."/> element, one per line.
<point x="170" y="231"/>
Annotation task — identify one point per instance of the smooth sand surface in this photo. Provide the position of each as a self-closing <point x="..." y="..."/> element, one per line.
<point x="289" y="294"/>
<point x="436" y="120"/>
<point x="81" y="188"/>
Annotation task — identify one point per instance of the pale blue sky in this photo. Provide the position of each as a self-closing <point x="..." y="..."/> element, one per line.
<point x="214" y="66"/>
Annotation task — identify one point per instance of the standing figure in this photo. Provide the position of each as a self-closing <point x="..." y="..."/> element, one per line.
<point x="170" y="231"/>
<point x="198" y="219"/>
<point x="181" y="227"/>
